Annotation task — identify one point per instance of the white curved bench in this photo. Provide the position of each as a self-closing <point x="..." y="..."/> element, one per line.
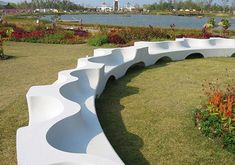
<point x="63" y="126"/>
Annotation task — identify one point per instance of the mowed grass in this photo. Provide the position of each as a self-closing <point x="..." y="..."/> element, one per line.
<point x="32" y="64"/>
<point x="147" y="115"/>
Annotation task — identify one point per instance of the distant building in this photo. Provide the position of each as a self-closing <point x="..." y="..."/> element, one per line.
<point x="105" y="8"/>
<point x="116" y="5"/>
<point x="91" y="9"/>
<point x="45" y="11"/>
<point x="129" y="7"/>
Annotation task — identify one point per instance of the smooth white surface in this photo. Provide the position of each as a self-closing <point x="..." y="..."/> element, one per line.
<point x="63" y="126"/>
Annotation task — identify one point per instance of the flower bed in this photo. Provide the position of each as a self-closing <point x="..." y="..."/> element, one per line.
<point x="121" y="36"/>
<point x="50" y="36"/>
<point x="217" y="118"/>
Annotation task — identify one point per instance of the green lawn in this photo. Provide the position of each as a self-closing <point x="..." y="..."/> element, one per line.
<point x="146" y="115"/>
<point x="33" y="64"/>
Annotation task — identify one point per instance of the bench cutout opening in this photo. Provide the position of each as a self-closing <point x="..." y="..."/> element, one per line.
<point x="164" y="60"/>
<point x="194" y="56"/>
<point x="135" y="67"/>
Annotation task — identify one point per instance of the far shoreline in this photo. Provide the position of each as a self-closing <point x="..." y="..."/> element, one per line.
<point x="170" y="13"/>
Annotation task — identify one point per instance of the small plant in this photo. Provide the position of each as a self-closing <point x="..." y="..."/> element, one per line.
<point x="2" y="55"/>
<point x="210" y="23"/>
<point x="98" y="40"/>
<point x="1" y="49"/>
<point x="209" y="26"/>
<point x="224" y="24"/>
<point x="9" y="32"/>
<point x="217" y="118"/>
<point x="172" y="27"/>
<point x="81" y="33"/>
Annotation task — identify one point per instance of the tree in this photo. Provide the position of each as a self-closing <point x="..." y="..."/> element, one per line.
<point x="10" y="6"/>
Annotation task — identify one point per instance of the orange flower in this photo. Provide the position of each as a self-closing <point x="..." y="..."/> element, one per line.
<point x="216" y="98"/>
<point x="230" y="103"/>
<point x="228" y="113"/>
<point x="222" y="107"/>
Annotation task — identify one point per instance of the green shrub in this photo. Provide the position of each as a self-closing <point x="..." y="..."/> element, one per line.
<point x="53" y="38"/>
<point x="211" y="126"/>
<point x="98" y="40"/>
<point x="229" y="142"/>
<point x="68" y="34"/>
<point x="144" y="34"/>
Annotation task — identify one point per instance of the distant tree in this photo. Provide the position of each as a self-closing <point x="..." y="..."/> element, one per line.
<point x="10" y="6"/>
<point x="24" y="5"/>
<point x="199" y="5"/>
<point x="225" y="4"/>
<point x="50" y="4"/>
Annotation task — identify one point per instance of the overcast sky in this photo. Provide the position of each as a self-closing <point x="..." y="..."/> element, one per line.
<point x="99" y="2"/>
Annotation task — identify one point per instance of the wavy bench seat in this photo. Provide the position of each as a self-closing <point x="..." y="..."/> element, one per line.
<point x="63" y="126"/>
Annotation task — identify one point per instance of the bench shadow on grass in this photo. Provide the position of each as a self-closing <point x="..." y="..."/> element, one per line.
<point x="108" y="107"/>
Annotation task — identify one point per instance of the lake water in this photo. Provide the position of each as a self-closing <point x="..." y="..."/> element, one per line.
<point x="140" y="20"/>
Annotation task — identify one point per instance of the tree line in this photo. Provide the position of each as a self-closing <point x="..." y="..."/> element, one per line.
<point x="199" y="5"/>
<point x="46" y="4"/>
